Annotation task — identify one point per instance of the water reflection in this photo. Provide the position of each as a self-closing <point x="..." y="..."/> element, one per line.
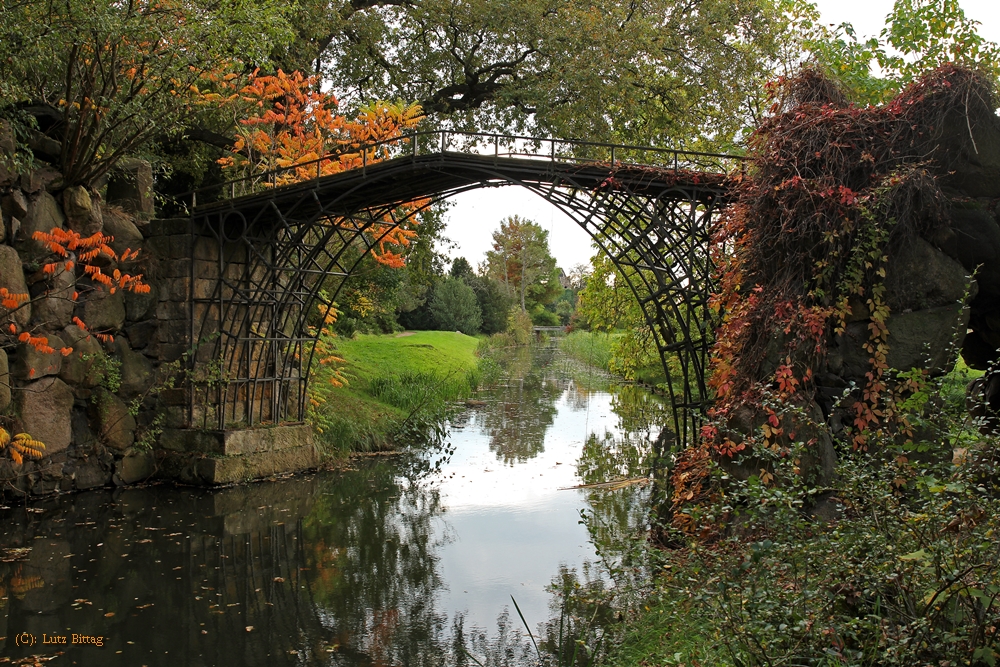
<point x="520" y="411"/>
<point x="394" y="563"/>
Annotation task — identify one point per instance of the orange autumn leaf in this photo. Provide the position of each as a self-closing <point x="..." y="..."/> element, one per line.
<point x="297" y="129"/>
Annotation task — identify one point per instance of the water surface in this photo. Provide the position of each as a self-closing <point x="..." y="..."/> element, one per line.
<point x="404" y="560"/>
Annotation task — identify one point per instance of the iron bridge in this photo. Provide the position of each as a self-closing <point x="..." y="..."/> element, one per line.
<point x="272" y="253"/>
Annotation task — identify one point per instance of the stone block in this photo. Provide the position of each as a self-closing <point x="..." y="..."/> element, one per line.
<point x="971" y="151"/>
<point x="172" y="310"/>
<point x="140" y="307"/>
<point x="169" y="227"/>
<point x="204" y="413"/>
<point x="975" y="239"/>
<point x="102" y="311"/>
<point x="204" y="289"/>
<point x="5" y="396"/>
<point x="205" y="269"/>
<point x="83" y="212"/>
<point x="126" y="235"/>
<point x="54" y="309"/>
<point x="81" y="366"/>
<point x="136" y="370"/>
<point x="266" y="439"/>
<point x="43" y="178"/>
<point x="89" y="474"/>
<point x="169" y="352"/>
<point x="173" y="330"/>
<point x="142" y="334"/>
<point x="920" y="339"/>
<point x="131" y="187"/>
<point x="32" y="364"/>
<point x="44" y="214"/>
<point x="213" y="471"/>
<point x="45" y="409"/>
<point x="83" y="437"/>
<point x="114" y="424"/>
<point x="135" y="467"/>
<point x="12" y="278"/>
<point x="205" y="248"/>
<point x="177" y="289"/>
<point x="241" y="441"/>
<point x="175" y="417"/>
<point x="178" y="268"/>
<point x="180" y="247"/>
<point x="14" y="204"/>
<point x="157" y="246"/>
<point x="175" y="396"/>
<point x="919" y="276"/>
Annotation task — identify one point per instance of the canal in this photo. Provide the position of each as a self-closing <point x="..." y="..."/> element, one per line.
<point x="408" y="559"/>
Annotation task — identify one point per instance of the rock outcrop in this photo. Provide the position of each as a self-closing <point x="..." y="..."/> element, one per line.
<point x="79" y="399"/>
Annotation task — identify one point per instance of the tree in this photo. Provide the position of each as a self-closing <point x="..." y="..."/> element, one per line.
<point x="96" y="81"/>
<point x="462" y="270"/>
<point x="657" y="72"/>
<point x="295" y="123"/>
<point x="521" y="261"/>
<point x="919" y="35"/>
<point x="494" y="304"/>
<point x="454" y="307"/>
<point x="608" y="304"/>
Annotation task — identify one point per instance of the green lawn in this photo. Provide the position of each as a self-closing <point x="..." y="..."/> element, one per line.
<point x="440" y="352"/>
<point x="393" y="379"/>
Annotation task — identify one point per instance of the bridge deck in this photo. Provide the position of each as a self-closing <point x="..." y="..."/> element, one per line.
<point x="406" y="179"/>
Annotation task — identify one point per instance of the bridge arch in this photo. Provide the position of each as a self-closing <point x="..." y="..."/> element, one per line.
<point x="259" y="262"/>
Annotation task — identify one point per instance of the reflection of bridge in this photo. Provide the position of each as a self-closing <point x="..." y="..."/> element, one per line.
<point x="262" y="261"/>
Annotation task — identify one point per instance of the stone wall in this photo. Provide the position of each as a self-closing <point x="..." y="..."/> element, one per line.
<point x="119" y="411"/>
<point x="95" y="407"/>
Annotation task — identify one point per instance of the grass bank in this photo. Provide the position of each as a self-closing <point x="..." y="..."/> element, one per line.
<point x="399" y="386"/>
<point x="614" y="353"/>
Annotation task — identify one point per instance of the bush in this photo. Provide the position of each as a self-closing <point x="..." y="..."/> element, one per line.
<point x="541" y="317"/>
<point x="896" y="565"/>
<point x="455" y="308"/>
<point x="519" y="326"/>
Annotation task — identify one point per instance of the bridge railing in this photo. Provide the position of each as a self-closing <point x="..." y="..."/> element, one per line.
<point x="429" y="142"/>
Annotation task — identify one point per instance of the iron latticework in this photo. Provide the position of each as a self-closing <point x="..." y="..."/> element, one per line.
<point x="265" y="261"/>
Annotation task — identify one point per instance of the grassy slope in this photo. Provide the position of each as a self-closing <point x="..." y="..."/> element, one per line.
<point x="361" y="421"/>
<point x="440" y="352"/>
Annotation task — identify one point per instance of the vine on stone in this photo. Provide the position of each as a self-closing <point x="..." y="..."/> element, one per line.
<point x="832" y="190"/>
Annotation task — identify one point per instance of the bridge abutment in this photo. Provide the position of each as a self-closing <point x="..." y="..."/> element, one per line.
<point x="193" y="286"/>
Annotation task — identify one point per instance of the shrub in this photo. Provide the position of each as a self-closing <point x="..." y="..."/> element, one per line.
<point x="544" y="318"/>
<point x="519" y="327"/>
<point x="895" y="565"/>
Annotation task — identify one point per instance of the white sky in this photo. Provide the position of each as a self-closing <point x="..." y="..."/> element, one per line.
<point x="475" y="215"/>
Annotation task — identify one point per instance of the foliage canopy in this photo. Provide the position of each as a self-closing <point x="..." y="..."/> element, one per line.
<point x="104" y="79"/>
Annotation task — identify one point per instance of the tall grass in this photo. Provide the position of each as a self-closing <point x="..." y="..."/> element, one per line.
<point x="416" y="390"/>
<point x="589" y="347"/>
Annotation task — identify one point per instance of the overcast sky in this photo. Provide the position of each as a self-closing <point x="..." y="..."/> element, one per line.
<point x="475" y="215"/>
